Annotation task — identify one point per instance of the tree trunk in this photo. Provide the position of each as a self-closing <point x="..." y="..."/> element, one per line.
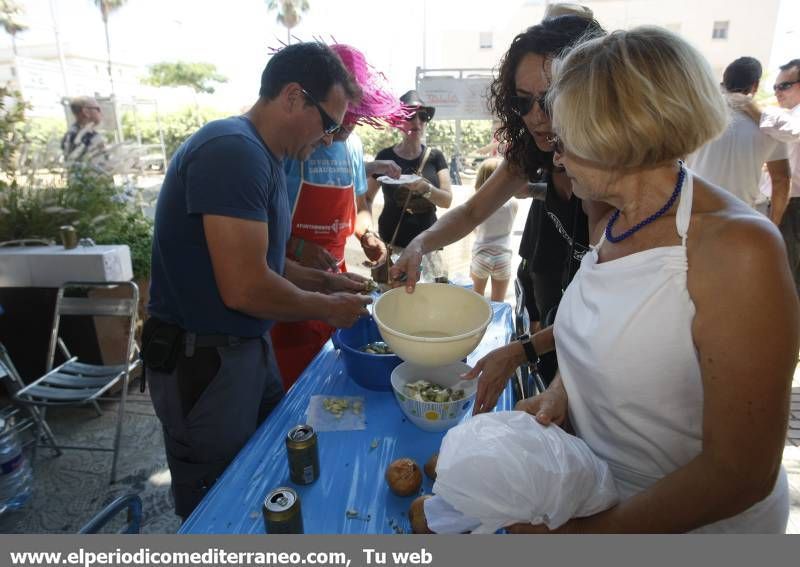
<point x="108" y="51"/>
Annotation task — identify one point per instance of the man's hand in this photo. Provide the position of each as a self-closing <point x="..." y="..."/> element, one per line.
<point x="746" y="104"/>
<point x="383" y="167"/>
<point x="346" y="282"/>
<point x="344" y="309"/>
<point x="374" y="249"/>
<point x="313" y="255"/>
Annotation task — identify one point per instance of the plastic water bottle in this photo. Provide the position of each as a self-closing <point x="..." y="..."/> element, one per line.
<point x="16" y="480"/>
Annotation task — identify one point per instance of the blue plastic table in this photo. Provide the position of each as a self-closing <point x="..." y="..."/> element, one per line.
<point x="351" y="470"/>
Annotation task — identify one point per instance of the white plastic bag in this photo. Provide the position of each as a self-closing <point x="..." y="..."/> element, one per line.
<point x="504" y="468"/>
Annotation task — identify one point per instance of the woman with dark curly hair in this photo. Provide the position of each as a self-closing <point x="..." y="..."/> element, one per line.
<point x="556" y="234"/>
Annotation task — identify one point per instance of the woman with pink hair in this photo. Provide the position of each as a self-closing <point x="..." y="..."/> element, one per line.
<point x="327" y="195"/>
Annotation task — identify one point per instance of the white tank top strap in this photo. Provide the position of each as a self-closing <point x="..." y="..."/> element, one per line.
<point x="684" y="213"/>
<point x="599" y="242"/>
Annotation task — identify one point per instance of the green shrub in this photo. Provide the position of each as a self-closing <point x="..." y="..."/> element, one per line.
<point x="176" y="126"/>
<point x="134" y="229"/>
<point x="441" y="134"/>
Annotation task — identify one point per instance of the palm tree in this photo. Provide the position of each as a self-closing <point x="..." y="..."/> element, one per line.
<point x="289" y="13"/>
<point x="106" y="8"/>
<point x="11" y="20"/>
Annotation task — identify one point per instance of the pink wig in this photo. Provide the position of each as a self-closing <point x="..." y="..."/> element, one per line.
<point x="378" y="106"/>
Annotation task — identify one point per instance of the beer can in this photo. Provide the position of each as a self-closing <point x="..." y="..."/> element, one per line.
<point x="303" y="453"/>
<point x="282" y="513"/>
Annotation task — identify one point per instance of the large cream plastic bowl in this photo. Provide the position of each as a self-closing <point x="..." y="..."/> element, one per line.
<point x="436" y="325"/>
<point x="434" y="416"/>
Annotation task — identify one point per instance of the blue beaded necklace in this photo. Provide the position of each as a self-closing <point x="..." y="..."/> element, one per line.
<point x="651" y="218"/>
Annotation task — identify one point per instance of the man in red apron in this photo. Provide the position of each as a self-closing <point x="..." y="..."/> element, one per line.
<point x="327" y="193"/>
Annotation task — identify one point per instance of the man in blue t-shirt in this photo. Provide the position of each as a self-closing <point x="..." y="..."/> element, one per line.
<point x="219" y="274"/>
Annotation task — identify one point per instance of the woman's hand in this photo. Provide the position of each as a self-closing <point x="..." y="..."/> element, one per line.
<point x="408" y="265"/>
<point x="312" y="255"/>
<point x="549" y="406"/>
<point x="383" y="167"/>
<point x="374" y="249"/>
<point x="493" y="372"/>
<point x="419" y="187"/>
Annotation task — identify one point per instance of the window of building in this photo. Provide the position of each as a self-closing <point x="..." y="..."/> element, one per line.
<point x="720" y="30"/>
<point x="486" y="40"/>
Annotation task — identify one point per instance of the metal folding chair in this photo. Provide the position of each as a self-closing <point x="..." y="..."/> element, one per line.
<point x="24" y="418"/>
<point x="130" y="502"/>
<point x="75" y="383"/>
<point x="527" y="381"/>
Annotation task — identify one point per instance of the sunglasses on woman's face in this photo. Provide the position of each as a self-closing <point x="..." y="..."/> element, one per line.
<point x="329" y="125"/>
<point x="522" y="105"/>
<point x="784" y="86"/>
<point x="422" y="115"/>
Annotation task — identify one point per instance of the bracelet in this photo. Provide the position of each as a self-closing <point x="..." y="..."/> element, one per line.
<point x="427" y="194"/>
<point x="298" y="249"/>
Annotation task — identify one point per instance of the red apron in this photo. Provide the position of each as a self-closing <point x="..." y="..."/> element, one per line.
<point x="325" y="215"/>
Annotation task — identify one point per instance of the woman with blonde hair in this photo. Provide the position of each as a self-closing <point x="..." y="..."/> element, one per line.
<point x="658" y="373"/>
<point x="491" y="252"/>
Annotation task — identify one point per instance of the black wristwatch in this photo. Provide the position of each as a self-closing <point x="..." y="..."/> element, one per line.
<point x="530" y="350"/>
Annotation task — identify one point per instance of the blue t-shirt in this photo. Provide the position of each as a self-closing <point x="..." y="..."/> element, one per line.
<point x="340" y="164"/>
<point x="223" y="169"/>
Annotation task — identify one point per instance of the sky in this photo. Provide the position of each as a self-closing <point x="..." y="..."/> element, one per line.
<point x="236" y="35"/>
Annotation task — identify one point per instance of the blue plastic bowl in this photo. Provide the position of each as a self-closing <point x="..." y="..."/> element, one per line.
<point x="370" y="371"/>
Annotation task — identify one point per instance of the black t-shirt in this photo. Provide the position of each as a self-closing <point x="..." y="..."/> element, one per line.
<point x="546" y="243"/>
<point x="415" y="223"/>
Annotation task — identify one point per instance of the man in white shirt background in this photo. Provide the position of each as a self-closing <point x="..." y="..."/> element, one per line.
<point x="783" y="124"/>
<point x="734" y="160"/>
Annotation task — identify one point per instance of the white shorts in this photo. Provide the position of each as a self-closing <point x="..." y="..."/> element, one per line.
<point x="491" y="262"/>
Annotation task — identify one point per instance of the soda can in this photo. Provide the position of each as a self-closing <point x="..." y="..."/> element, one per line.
<point x="282" y="513"/>
<point x="303" y="453"/>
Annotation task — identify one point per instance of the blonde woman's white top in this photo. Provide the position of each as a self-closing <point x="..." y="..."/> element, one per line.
<point x="626" y="354"/>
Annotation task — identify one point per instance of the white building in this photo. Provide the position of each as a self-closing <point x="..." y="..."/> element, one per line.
<point x="38" y="73"/>
<point x="722" y="30"/>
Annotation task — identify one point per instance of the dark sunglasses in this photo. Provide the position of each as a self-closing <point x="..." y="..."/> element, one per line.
<point x="423" y="116"/>
<point x="784" y="86"/>
<point x="522" y="105"/>
<point x="92" y="107"/>
<point x="329" y="125"/>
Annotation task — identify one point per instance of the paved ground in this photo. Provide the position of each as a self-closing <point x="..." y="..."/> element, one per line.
<point x="69" y="489"/>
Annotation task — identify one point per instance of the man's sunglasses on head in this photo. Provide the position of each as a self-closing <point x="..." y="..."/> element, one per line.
<point x="784" y="86"/>
<point x="329" y="125"/>
<point x="522" y="105"/>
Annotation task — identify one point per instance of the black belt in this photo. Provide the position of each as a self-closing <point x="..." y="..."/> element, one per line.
<point x="191" y="341"/>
